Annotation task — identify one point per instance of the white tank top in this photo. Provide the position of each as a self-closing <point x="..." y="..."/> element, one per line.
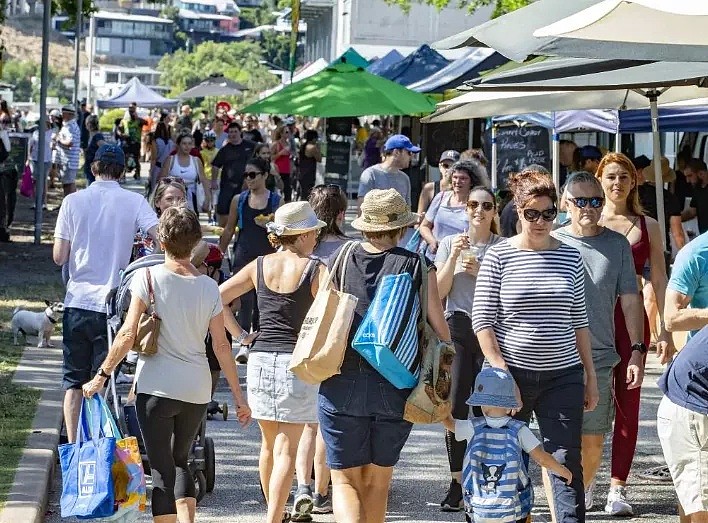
<point x="188" y="174"/>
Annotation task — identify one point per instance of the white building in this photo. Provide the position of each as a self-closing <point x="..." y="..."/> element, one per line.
<point x="373" y="27"/>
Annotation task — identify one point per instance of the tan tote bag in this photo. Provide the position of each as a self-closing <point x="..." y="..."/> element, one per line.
<point x="429" y="402"/>
<point x="148" y="324"/>
<point x="323" y="337"/>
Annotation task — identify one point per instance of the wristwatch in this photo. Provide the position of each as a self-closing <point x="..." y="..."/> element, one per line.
<point x="639" y="346"/>
<point x="102" y="373"/>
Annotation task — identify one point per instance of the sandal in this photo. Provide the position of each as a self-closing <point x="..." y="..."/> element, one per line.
<point x="286" y="516"/>
<point x="660" y="473"/>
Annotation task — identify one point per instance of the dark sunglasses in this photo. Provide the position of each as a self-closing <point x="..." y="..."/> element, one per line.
<point x="548" y="215"/>
<point x="486" y="206"/>
<point x="595" y="202"/>
<point x="447" y="165"/>
<point x="252" y="174"/>
<point x="172" y="179"/>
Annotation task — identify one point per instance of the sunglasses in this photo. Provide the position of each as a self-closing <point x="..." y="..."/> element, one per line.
<point x="252" y="174"/>
<point x="172" y="179"/>
<point x="446" y="165"/>
<point x="595" y="202"/>
<point x="486" y="206"/>
<point x="548" y="215"/>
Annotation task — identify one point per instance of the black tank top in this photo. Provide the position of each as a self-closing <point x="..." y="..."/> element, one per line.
<point x="282" y="314"/>
<point x="252" y="240"/>
<point x="307" y="165"/>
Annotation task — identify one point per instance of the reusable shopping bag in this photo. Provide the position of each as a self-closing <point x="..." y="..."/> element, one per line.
<point x="87" y="482"/>
<point x="430" y="400"/>
<point x="27" y="184"/>
<point x="322" y="341"/>
<point x="387" y="337"/>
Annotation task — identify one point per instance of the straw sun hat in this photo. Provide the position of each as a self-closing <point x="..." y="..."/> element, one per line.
<point x="294" y="218"/>
<point x="384" y="210"/>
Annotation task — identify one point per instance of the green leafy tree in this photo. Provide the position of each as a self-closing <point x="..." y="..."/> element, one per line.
<point x="501" y="7"/>
<point x="238" y="61"/>
<point x="276" y="49"/>
<point x="20" y="74"/>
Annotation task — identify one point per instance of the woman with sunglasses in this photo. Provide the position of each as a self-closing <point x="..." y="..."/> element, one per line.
<point x="458" y="260"/>
<point x="191" y="170"/>
<point x="447" y="214"/>
<point x="530" y="318"/>
<point x="250" y="211"/>
<point x="623" y="214"/>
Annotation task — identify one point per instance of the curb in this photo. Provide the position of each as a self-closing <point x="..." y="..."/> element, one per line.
<point x="28" y="496"/>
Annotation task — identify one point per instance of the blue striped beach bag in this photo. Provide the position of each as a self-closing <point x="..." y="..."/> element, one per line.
<point x="388" y="335"/>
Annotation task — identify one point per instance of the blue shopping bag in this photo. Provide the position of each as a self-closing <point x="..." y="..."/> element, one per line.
<point x="87" y="483"/>
<point x="388" y="335"/>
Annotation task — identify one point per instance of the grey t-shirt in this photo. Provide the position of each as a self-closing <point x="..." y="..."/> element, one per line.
<point x="375" y="177"/>
<point x="326" y="248"/>
<point x="186" y="305"/>
<point x="609" y="272"/>
<point x="461" y="296"/>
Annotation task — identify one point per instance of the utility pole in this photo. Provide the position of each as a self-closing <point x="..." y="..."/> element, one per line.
<point x="42" y="163"/>
<point x="77" y="50"/>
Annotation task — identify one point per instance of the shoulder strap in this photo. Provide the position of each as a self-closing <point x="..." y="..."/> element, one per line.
<point x="259" y="272"/>
<point x="436" y="187"/>
<point x="241" y="204"/>
<point x="423" y="290"/>
<point x="273" y="200"/>
<point x="151" y="291"/>
<point x="341" y="260"/>
<point x="307" y="272"/>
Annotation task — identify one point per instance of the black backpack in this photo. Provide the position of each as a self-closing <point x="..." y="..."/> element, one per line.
<point x="4" y="153"/>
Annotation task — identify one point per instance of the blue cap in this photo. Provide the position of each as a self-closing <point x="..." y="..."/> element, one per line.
<point x="110" y="153"/>
<point x="399" y="141"/>
<point x="494" y="388"/>
<point x="590" y="152"/>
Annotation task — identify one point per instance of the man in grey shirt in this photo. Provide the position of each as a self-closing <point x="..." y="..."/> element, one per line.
<point x="609" y="274"/>
<point x="398" y="151"/>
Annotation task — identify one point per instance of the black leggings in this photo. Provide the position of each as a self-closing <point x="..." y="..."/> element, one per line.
<point x="161" y="420"/>
<point x="465" y="367"/>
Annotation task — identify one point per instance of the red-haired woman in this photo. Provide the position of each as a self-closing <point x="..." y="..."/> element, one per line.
<point x="623" y="214"/>
<point x="530" y="318"/>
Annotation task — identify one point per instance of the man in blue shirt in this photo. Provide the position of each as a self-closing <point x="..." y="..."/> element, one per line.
<point x="682" y="425"/>
<point x="688" y="286"/>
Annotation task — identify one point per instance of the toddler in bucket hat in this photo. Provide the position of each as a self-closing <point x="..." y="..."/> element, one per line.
<point x="494" y="388"/>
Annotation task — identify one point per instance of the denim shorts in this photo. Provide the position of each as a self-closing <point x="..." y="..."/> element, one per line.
<point x="85" y="345"/>
<point x="275" y="393"/>
<point x="361" y="418"/>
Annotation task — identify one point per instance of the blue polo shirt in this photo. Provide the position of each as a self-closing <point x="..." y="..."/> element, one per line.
<point x="685" y="381"/>
<point x="689" y="274"/>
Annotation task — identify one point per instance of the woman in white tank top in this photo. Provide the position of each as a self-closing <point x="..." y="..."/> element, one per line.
<point x="190" y="170"/>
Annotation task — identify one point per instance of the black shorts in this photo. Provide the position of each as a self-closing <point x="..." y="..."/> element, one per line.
<point x="226" y="194"/>
<point x="85" y="345"/>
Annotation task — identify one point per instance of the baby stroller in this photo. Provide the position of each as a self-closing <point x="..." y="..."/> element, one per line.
<point x="202" y="458"/>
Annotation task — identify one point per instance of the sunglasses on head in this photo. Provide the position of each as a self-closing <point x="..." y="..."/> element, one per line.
<point x="548" y="215"/>
<point x="252" y="174"/>
<point x="172" y="179"/>
<point x="595" y="202"/>
<point x="486" y="206"/>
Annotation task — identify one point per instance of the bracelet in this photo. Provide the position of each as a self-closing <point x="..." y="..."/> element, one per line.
<point x="241" y="337"/>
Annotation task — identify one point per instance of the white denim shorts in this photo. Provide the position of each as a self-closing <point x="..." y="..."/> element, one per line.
<point x="684" y="439"/>
<point x="275" y="393"/>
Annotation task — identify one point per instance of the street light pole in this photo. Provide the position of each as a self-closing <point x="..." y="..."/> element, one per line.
<point x="77" y="51"/>
<point x="42" y="161"/>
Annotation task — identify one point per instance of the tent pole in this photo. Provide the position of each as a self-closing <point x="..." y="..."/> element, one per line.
<point x="495" y="185"/>
<point x="658" y="179"/>
<point x="556" y="159"/>
<point x="618" y="142"/>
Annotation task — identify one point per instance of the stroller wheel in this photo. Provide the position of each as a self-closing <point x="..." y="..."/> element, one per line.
<point x="200" y="484"/>
<point x="225" y="411"/>
<point x="209" y="464"/>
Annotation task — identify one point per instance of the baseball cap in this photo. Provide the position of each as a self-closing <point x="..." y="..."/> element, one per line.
<point x="450" y="155"/>
<point x="494" y="388"/>
<point x="590" y="152"/>
<point x="110" y="153"/>
<point x="399" y="141"/>
<point x="55" y="113"/>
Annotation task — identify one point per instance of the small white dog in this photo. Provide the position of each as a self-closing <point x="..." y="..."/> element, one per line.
<point x="39" y="323"/>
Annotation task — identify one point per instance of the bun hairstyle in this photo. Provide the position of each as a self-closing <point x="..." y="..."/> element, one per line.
<point x="262" y="164"/>
<point x="530" y="184"/>
<point x="623" y="161"/>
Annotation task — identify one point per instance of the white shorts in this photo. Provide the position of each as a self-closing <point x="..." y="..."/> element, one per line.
<point x="684" y="438"/>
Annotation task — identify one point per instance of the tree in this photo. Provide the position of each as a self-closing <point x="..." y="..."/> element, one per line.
<point x="501" y="7"/>
<point x="20" y="74"/>
<point x="238" y="61"/>
<point x="276" y="49"/>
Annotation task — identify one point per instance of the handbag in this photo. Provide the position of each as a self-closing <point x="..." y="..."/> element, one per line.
<point x="148" y="325"/>
<point x="27" y="184"/>
<point x="388" y="335"/>
<point x="430" y="400"/>
<point x="87" y="482"/>
<point x="322" y="341"/>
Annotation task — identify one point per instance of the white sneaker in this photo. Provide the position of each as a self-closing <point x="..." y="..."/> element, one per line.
<point x="242" y="355"/>
<point x="589" y="495"/>
<point x="123" y="378"/>
<point x="617" y="502"/>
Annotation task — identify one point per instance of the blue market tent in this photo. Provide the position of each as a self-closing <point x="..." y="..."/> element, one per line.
<point x="416" y="66"/>
<point x="386" y="61"/>
<point x="567" y="121"/>
<point x="467" y="67"/>
<point x="678" y="119"/>
<point x="136" y="91"/>
<point x="351" y="56"/>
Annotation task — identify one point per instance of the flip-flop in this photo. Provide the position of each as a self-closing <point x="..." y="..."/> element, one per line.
<point x="660" y="473"/>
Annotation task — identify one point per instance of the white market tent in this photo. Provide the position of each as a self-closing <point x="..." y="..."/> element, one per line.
<point x="136" y="92"/>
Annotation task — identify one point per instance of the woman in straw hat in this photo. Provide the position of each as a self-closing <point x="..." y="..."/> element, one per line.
<point x="360" y="412"/>
<point x="285" y="284"/>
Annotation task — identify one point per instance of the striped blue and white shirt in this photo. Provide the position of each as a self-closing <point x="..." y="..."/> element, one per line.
<point x="534" y="301"/>
<point x="69" y="156"/>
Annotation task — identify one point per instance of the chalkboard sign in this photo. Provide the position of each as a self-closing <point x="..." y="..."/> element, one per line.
<point x="340" y="126"/>
<point x="337" y="158"/>
<point x="517" y="148"/>
<point x="19" y="142"/>
<point x="443" y="136"/>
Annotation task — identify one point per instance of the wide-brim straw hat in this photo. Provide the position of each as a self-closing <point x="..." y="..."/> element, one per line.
<point x="384" y="210"/>
<point x="668" y="175"/>
<point x="294" y="218"/>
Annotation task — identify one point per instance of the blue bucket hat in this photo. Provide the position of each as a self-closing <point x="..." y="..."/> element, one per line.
<point x="493" y="388"/>
<point x="399" y="141"/>
<point x="110" y="153"/>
